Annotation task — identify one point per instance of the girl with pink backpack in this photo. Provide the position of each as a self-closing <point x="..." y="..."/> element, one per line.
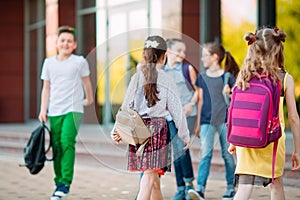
<point x="254" y="165"/>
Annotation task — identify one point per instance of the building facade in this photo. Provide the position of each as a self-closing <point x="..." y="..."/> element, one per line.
<point x="26" y="36"/>
<point x="28" y="33"/>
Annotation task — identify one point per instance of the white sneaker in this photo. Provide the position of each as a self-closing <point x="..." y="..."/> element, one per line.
<point x="55" y="197"/>
<point x="195" y="195"/>
<point x="62" y="190"/>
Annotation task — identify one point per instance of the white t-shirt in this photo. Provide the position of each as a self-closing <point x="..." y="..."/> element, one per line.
<point x="66" y="91"/>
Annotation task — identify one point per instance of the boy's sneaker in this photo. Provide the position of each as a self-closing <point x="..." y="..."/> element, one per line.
<point x="228" y="195"/>
<point x="196" y="195"/>
<point x="55" y="197"/>
<point x="62" y="190"/>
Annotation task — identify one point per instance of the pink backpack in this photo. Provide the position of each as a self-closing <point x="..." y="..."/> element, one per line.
<point x="253" y="115"/>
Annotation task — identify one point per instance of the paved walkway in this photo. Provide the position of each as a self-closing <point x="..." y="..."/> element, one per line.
<point x="95" y="180"/>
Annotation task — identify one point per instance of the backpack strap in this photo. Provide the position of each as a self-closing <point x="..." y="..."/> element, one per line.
<point x="141" y="148"/>
<point x="225" y="82"/>
<point x="275" y="145"/>
<point x="50" y="143"/>
<point x="283" y="83"/>
<point x="274" y="159"/>
<point x="186" y="75"/>
<point x="132" y="93"/>
<point x="226" y="77"/>
<point x="282" y="76"/>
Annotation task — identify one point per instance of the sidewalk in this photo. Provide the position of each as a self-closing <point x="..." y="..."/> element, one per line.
<point x="97" y="178"/>
<point x="93" y="181"/>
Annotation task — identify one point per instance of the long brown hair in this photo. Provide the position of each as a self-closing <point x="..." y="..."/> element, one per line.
<point x="265" y="54"/>
<point x="230" y="63"/>
<point x="155" y="47"/>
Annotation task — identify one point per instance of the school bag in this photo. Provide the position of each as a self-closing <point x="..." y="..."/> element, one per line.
<point x="34" y="152"/>
<point x="186" y="74"/>
<point x="253" y="116"/>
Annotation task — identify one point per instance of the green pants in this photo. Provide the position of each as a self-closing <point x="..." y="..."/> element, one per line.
<point x="64" y="130"/>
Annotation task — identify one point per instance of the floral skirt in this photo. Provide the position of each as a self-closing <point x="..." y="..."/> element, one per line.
<point x="157" y="152"/>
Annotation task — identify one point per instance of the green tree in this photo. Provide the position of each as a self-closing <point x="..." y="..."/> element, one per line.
<point x="232" y="38"/>
<point x="288" y="19"/>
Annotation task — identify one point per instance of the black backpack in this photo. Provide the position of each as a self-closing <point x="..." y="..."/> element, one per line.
<point x="34" y="152"/>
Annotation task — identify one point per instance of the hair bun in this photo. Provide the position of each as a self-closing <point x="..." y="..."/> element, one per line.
<point x="279" y="35"/>
<point x="250" y="38"/>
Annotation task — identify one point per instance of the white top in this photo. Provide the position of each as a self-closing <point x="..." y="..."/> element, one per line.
<point x="66" y="91"/>
<point x="169" y="102"/>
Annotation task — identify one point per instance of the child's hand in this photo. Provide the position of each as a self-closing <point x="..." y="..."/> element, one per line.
<point x="232" y="149"/>
<point x="43" y="116"/>
<point x="226" y="89"/>
<point x="115" y="136"/>
<point x="87" y="102"/>
<point x="186" y="145"/>
<point x="187" y="109"/>
<point x="295" y="161"/>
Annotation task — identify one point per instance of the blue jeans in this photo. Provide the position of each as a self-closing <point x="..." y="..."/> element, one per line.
<point x="207" y="136"/>
<point x="182" y="159"/>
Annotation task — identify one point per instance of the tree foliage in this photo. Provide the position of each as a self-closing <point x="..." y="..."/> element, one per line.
<point x="232" y="38"/>
<point x="288" y="19"/>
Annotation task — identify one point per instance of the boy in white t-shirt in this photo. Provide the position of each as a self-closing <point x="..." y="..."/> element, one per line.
<point x="66" y="89"/>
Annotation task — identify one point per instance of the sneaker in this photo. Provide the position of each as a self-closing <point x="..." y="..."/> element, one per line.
<point x="55" y="197"/>
<point x="196" y="195"/>
<point x="62" y="190"/>
<point x="187" y="188"/>
<point x="179" y="196"/>
<point x="228" y="195"/>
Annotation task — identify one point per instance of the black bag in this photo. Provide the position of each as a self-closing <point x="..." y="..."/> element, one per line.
<point x="34" y="152"/>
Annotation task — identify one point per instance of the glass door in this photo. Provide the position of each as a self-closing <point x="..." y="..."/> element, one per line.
<point x="121" y="30"/>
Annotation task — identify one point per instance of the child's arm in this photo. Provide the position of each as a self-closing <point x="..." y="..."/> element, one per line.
<point x="44" y="101"/>
<point x="87" y="85"/>
<point x="293" y="118"/>
<point x="200" y="103"/>
<point x="189" y="107"/>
